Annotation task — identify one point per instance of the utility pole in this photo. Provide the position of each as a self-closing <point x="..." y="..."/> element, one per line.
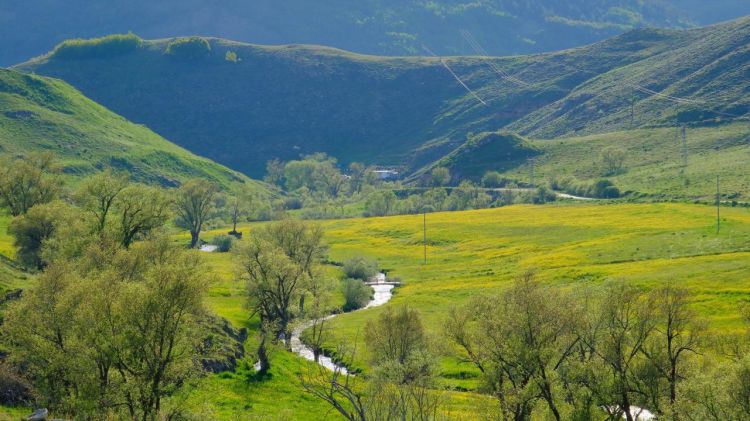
<point x="424" y="236"/>
<point x="718" y="204"/>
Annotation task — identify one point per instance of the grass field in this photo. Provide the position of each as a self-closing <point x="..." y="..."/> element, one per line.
<point x="480" y="252"/>
<point x="654" y="162"/>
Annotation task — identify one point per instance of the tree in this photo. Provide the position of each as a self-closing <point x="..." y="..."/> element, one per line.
<point x="361" y="268"/>
<point x="140" y="210"/>
<point x="400" y="386"/>
<point x="32" y="231"/>
<point x="380" y="203"/>
<point x="194" y="202"/>
<point x="623" y="326"/>
<point x="677" y="335"/>
<point x="613" y="159"/>
<point x="518" y="341"/>
<point x="27" y="182"/>
<point x="159" y="328"/>
<point x="97" y="196"/>
<point x="279" y="265"/>
<point x="440" y="177"/>
<point x="356" y="294"/>
<point x="114" y="340"/>
<point x="275" y="173"/>
<point x="240" y="206"/>
<point x="493" y="179"/>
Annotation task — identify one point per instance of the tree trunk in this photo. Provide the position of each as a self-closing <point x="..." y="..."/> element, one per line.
<point x="193" y="239"/>
<point x="265" y="365"/>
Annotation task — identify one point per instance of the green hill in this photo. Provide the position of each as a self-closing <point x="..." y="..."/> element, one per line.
<point x="242" y="104"/>
<point x="490" y="151"/>
<point x="388" y="27"/>
<point x="43" y="114"/>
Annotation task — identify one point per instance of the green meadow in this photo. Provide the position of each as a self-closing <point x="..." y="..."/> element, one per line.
<point x="481" y="252"/>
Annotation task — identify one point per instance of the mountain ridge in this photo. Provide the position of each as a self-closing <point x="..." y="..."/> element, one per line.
<point x="286" y="101"/>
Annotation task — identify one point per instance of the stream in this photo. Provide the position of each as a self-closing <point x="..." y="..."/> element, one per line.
<point x="382" y="294"/>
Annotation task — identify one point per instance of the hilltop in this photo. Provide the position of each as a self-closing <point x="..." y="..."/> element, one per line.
<point x="386" y="27"/>
<point x="489" y="151"/>
<point x="44" y="114"/>
<point x="241" y="104"/>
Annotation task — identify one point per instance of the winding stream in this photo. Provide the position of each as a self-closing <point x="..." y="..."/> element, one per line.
<point x="382" y="294"/>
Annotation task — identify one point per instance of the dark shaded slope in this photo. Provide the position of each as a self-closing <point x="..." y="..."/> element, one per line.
<point x="285" y="101"/>
<point x="42" y="114"/>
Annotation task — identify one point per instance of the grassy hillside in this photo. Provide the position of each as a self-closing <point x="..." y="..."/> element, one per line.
<point x="242" y="104"/>
<point x="386" y="27"/>
<point x="653" y="161"/>
<point x="489" y="151"/>
<point x="43" y="114"/>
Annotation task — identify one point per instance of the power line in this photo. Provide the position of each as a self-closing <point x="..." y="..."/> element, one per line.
<point x="474" y="44"/>
<point x="455" y="76"/>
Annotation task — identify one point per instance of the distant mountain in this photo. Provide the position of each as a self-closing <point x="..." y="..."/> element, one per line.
<point x="43" y="114"/>
<point x="242" y="104"/>
<point x="384" y="27"/>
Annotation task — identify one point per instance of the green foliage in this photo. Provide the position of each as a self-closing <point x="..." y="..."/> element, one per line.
<point x="32" y="230"/>
<point x="188" y="48"/>
<point x="493" y="179"/>
<point x="356" y="294"/>
<point x="487" y="153"/>
<point x="194" y="201"/>
<point x="440" y="177"/>
<point x="112" y="339"/>
<point x="380" y="203"/>
<point x="27" y="182"/>
<point x="231" y="56"/>
<point x="97" y="48"/>
<point x="223" y="242"/>
<point x="361" y="268"/>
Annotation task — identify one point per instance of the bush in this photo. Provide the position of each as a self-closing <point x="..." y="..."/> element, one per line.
<point x="109" y="46"/>
<point x="493" y="180"/>
<point x="223" y="242"/>
<point x="356" y="293"/>
<point x="361" y="268"/>
<point x="604" y="189"/>
<point x="293" y="203"/>
<point x="189" y="48"/>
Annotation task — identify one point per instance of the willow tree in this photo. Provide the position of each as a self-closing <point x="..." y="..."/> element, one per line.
<point x="194" y="202"/>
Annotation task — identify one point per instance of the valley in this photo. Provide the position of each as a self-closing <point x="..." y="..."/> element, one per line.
<point x="555" y="227"/>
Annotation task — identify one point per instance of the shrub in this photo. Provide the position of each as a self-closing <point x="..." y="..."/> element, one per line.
<point x="188" y="48"/>
<point x="223" y="242"/>
<point x="604" y="189"/>
<point x="380" y="203"/>
<point x="360" y="268"/>
<point x="231" y="56"/>
<point x="493" y="179"/>
<point x="356" y="294"/>
<point x="109" y="46"/>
